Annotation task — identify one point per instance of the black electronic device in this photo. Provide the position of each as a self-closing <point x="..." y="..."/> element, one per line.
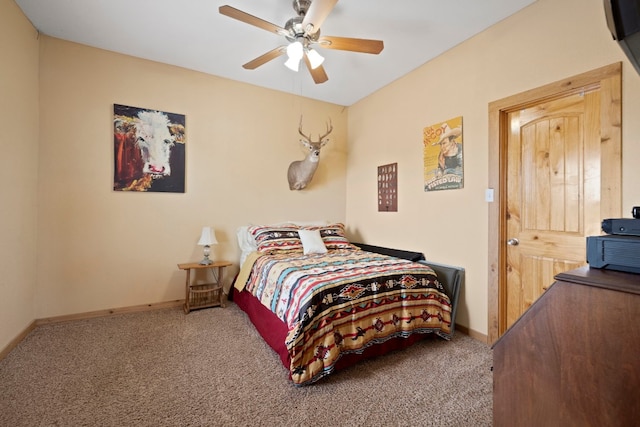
<point x="621" y="253"/>
<point x="625" y="226"/>
<point x="623" y="20"/>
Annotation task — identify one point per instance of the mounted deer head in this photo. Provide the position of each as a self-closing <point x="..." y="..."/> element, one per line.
<point x="301" y="171"/>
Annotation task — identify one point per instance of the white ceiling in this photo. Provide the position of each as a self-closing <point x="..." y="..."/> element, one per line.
<point x="192" y="34"/>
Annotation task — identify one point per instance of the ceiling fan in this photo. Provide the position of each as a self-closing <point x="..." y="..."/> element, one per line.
<point x="302" y="33"/>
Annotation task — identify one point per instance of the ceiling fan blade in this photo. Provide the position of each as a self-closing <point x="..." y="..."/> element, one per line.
<point x="350" y="44"/>
<point x="317" y="13"/>
<point x="318" y="74"/>
<point x="263" y="59"/>
<point x="234" y="13"/>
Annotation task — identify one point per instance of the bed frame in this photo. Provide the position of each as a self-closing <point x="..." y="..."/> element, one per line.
<point x="273" y="330"/>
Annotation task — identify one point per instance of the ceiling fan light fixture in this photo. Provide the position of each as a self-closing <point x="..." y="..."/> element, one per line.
<point x="315" y="59"/>
<point x="295" y="51"/>
<point x="292" y="64"/>
<point x="301" y="32"/>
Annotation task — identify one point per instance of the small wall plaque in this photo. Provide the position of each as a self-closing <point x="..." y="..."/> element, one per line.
<point x="388" y="188"/>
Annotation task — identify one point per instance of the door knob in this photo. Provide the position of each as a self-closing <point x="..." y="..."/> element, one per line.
<point x="513" y="242"/>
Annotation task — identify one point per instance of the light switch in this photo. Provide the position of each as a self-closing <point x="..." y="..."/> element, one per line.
<point x="488" y="195"/>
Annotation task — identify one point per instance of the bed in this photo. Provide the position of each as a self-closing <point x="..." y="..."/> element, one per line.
<point x="324" y="303"/>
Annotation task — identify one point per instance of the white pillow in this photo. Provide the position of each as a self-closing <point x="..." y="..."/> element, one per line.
<point x="312" y="242"/>
<point x="246" y="242"/>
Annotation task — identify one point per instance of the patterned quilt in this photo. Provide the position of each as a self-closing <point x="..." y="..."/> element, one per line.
<point x="344" y="301"/>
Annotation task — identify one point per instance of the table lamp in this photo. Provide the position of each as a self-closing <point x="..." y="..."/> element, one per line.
<point x="207" y="238"/>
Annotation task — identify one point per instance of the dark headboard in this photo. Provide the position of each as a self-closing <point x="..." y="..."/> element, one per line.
<point x="398" y="253"/>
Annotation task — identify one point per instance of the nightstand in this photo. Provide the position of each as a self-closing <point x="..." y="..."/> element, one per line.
<point x="204" y="295"/>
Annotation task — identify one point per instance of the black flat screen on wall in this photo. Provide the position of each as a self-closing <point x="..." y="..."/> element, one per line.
<point x="623" y="20"/>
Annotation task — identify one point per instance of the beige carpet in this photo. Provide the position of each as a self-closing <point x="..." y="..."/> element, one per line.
<point x="211" y="368"/>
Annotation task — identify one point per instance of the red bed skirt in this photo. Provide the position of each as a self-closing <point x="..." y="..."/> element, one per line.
<point x="274" y="332"/>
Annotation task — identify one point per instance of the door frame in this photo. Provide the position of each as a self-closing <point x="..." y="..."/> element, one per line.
<point x="609" y="78"/>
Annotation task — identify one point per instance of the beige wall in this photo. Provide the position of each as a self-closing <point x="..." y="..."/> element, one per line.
<point x="548" y="41"/>
<point x="101" y="249"/>
<point x="18" y="170"/>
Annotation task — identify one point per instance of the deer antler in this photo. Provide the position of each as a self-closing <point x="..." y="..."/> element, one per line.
<point x="306" y="138"/>
<point x="321" y="138"/>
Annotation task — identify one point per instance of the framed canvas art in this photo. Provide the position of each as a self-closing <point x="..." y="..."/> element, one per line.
<point x="149" y="150"/>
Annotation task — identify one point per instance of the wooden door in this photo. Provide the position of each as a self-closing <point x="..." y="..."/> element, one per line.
<point x="553" y="197"/>
<point x="555" y="160"/>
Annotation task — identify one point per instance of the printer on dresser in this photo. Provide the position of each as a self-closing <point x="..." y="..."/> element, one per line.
<point x="619" y="249"/>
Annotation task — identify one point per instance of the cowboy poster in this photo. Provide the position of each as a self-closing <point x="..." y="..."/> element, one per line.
<point x="443" y="155"/>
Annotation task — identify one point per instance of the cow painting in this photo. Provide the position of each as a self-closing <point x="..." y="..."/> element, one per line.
<point x="149" y="150"/>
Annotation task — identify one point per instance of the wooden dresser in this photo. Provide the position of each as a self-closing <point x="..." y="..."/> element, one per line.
<point x="573" y="358"/>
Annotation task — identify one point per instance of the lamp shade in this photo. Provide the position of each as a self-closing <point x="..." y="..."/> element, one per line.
<point x="295" y="51"/>
<point x="292" y="64"/>
<point x="208" y="237"/>
<point x="315" y="59"/>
